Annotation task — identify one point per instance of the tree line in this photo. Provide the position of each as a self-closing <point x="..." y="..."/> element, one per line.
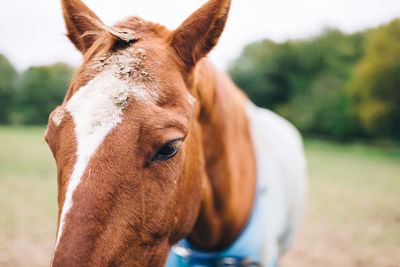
<point x="336" y="85"/>
<point x="29" y="97"/>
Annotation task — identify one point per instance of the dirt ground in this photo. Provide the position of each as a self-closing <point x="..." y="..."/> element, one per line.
<point x="323" y="244"/>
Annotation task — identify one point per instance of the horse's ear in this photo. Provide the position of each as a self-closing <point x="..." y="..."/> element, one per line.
<point x="199" y="33"/>
<point x="82" y="24"/>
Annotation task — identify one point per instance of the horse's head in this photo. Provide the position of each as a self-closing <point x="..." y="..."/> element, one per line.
<point x="126" y="139"/>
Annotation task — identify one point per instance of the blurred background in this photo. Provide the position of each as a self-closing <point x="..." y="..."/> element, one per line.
<point x="330" y="67"/>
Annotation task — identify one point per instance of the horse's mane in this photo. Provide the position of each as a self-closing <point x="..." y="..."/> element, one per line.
<point x="109" y="39"/>
<point x="122" y="34"/>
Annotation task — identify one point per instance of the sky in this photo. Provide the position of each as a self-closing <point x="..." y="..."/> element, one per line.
<point x="33" y="32"/>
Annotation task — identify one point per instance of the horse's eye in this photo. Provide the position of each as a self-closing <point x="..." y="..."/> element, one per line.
<point x="168" y="150"/>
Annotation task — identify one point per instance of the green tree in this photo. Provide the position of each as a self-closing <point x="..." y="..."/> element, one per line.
<point x="303" y="80"/>
<point x="264" y="70"/>
<point x="39" y="91"/>
<point x="8" y="75"/>
<point x="320" y="104"/>
<point x="375" y="88"/>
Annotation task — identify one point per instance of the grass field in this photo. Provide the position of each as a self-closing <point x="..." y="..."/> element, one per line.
<point x="352" y="218"/>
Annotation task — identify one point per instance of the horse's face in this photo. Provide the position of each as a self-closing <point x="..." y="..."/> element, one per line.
<point x="123" y="145"/>
<point x="126" y="141"/>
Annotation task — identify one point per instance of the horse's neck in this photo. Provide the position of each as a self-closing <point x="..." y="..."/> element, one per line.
<point x="229" y="184"/>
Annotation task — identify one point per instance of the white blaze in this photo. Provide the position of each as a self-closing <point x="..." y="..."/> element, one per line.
<point x="96" y="109"/>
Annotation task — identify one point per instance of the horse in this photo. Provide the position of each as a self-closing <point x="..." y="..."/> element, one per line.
<point x="161" y="159"/>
